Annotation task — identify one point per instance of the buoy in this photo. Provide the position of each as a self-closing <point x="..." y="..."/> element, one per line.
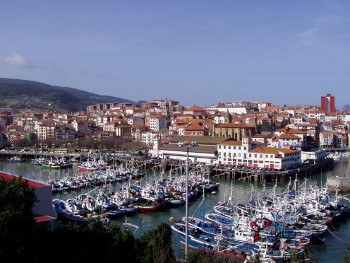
<point x="214" y="193"/>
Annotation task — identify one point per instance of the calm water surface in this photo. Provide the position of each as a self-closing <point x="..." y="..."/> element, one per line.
<point x="330" y="251"/>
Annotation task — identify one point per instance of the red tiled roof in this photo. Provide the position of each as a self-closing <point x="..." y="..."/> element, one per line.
<point x="271" y="150"/>
<point x="232" y="142"/>
<point x="289" y="136"/>
<point x="31" y="183"/>
<point x="43" y="218"/>
<point x="194" y="108"/>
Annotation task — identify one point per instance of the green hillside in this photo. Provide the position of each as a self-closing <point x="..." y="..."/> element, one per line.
<point x="25" y="94"/>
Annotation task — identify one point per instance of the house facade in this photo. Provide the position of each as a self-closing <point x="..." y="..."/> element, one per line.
<point x="245" y="153"/>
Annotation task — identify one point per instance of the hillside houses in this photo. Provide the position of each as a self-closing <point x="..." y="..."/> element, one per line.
<point x="288" y="129"/>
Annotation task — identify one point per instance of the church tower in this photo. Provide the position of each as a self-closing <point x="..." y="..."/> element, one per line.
<point x="228" y="117"/>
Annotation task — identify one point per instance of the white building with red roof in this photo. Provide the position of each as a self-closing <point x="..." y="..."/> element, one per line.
<point x="287" y="141"/>
<point x="249" y="153"/>
<point x="42" y="209"/>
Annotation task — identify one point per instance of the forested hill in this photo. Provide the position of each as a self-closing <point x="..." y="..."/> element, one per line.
<point x="25" y="94"/>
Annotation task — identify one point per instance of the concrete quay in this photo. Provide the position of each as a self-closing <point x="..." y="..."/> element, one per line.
<point x="264" y="175"/>
<point x="179" y="167"/>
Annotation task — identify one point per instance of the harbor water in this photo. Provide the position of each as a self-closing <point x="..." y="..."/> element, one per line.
<point x="337" y="239"/>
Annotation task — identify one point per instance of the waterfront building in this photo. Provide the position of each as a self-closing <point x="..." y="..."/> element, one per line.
<point x="250" y="153"/>
<point x="314" y="157"/>
<point x="201" y="148"/>
<point x="46" y="133"/>
<point x="63" y="132"/>
<point x="201" y="154"/>
<point x="327" y="139"/>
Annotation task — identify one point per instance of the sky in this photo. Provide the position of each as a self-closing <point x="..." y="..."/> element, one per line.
<point x="199" y="52"/>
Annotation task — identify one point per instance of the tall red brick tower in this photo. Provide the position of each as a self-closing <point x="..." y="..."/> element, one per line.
<point x="328" y="103"/>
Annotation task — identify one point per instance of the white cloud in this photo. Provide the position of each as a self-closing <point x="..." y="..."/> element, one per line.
<point x="14" y="59"/>
<point x="322" y="30"/>
<point x="308" y="37"/>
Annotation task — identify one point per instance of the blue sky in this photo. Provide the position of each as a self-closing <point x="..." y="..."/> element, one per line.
<point x="195" y="51"/>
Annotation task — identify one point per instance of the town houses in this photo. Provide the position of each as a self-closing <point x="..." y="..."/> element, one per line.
<point x="247" y="133"/>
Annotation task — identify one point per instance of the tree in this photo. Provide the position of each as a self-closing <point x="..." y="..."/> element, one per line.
<point x="155" y="246"/>
<point x="208" y="257"/>
<point x="297" y="257"/>
<point x="121" y="245"/>
<point x="93" y="243"/>
<point x="346" y="258"/>
<point x="346" y="108"/>
<point x="17" y="224"/>
<point x="22" y="240"/>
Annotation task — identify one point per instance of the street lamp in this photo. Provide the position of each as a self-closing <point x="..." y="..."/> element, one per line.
<point x="186" y="213"/>
<point x="180" y="144"/>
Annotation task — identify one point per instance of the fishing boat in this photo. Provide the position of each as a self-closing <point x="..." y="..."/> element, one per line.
<point x="176" y="201"/>
<point x="15" y="158"/>
<point x="94" y="165"/>
<point x="56" y="164"/>
<point x="148" y="205"/>
<point x="38" y="161"/>
<point x="114" y="211"/>
<point x="67" y="213"/>
<point x="200" y="240"/>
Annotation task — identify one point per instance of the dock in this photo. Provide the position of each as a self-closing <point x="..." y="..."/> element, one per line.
<point x="179" y="167"/>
